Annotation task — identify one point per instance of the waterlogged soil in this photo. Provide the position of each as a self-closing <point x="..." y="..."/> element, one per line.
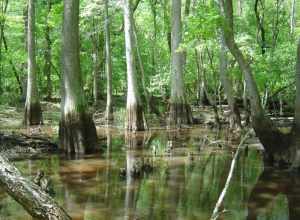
<point x="186" y="173"/>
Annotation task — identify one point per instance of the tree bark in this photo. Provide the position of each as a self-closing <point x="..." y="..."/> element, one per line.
<point x="240" y="5"/>
<point x="235" y="122"/>
<point x="271" y="138"/>
<point x="98" y="61"/>
<point x="135" y="120"/>
<point x="297" y="102"/>
<point x="108" y="64"/>
<point x="180" y="112"/>
<point x="260" y="25"/>
<point x="33" y="199"/>
<point x="293" y="17"/>
<point x="48" y="53"/>
<point x="77" y="131"/>
<point x="167" y="23"/>
<point x="201" y="93"/>
<point x="141" y="67"/>
<point x="33" y="111"/>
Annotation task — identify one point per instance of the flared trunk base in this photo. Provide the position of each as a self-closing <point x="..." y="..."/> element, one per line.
<point x="278" y="151"/>
<point x="33" y="114"/>
<point x="135" y="120"/>
<point x="179" y="114"/>
<point x="77" y="133"/>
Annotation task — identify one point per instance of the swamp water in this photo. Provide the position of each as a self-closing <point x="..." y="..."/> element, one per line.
<point x="189" y="173"/>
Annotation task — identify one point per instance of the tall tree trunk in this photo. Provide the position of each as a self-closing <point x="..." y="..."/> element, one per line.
<point x="240" y="5"/>
<point x="268" y="134"/>
<point x="142" y="70"/>
<point x="293" y="17"/>
<point x="167" y="22"/>
<point x="180" y="112"/>
<point x="135" y="120"/>
<point x="77" y="131"/>
<point x="33" y="111"/>
<point x="24" y="66"/>
<point x="48" y="53"/>
<point x="108" y="67"/>
<point x="235" y="122"/>
<point x="297" y="102"/>
<point x="260" y="25"/>
<point x="14" y="69"/>
<point x="2" y="24"/>
<point x="154" y="37"/>
<point x="97" y="56"/>
<point x="201" y="93"/>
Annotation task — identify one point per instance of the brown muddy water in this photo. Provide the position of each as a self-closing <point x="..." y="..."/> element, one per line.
<point x="189" y="173"/>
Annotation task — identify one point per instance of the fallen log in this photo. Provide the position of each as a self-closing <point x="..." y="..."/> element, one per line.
<point x="33" y="199"/>
<point x="19" y="146"/>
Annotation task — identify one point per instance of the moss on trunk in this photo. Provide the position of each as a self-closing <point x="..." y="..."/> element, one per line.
<point x="77" y="133"/>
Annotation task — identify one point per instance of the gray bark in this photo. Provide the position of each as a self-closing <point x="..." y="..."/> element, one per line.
<point x="141" y="66"/>
<point x="228" y="88"/>
<point x="33" y="111"/>
<point x="135" y="120"/>
<point x="108" y="66"/>
<point x="98" y="61"/>
<point x="293" y="17"/>
<point x="180" y="111"/>
<point x="33" y="199"/>
<point x="240" y="5"/>
<point x="297" y="103"/>
<point x="77" y="130"/>
<point x="269" y="135"/>
<point x="48" y="53"/>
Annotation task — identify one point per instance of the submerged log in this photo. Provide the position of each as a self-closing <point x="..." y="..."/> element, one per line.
<point x="33" y="199"/>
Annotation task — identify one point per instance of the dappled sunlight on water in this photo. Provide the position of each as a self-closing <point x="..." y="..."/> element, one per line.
<point x="186" y="176"/>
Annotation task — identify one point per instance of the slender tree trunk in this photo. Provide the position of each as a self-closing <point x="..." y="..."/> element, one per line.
<point x="135" y="120"/>
<point x="167" y="22"/>
<point x="246" y="104"/>
<point x="97" y="56"/>
<point x="48" y="53"/>
<point x="141" y="66"/>
<point x="268" y="134"/>
<point x="180" y="112"/>
<point x="293" y="17"/>
<point x="2" y="24"/>
<point x="297" y="102"/>
<point x="14" y="69"/>
<point x="202" y="96"/>
<point x="154" y="38"/>
<point x="260" y="25"/>
<point x="33" y="199"/>
<point x="33" y="111"/>
<point x="77" y="130"/>
<point x="108" y="67"/>
<point x="228" y="88"/>
<point x="240" y="5"/>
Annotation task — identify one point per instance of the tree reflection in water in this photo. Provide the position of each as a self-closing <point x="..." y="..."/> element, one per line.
<point x="270" y="186"/>
<point x="180" y="187"/>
